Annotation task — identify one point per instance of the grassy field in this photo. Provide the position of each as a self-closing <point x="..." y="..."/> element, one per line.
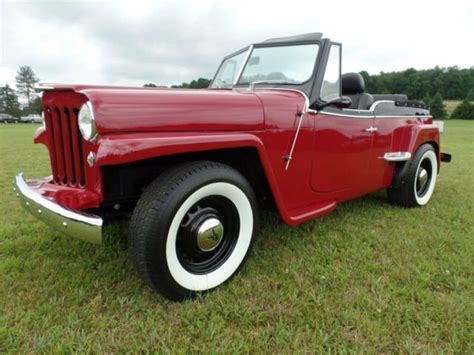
<point x="368" y="277"/>
<point x="451" y="105"/>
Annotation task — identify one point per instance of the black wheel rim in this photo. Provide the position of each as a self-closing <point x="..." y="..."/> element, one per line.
<point x="192" y="256"/>
<point x="423" y="177"/>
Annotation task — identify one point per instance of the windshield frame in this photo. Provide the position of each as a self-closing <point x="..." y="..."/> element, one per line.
<point x="250" y="49"/>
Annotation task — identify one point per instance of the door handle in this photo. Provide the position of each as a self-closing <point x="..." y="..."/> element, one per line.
<point x="371" y="129"/>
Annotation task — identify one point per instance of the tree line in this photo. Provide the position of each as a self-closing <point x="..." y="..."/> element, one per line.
<point x="430" y="86"/>
<point x="200" y="83"/>
<point x="452" y="83"/>
<point x="25" y="81"/>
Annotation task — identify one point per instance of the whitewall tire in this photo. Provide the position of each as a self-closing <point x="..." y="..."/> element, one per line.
<point x="425" y="177"/>
<point x="192" y="229"/>
<point x="414" y="181"/>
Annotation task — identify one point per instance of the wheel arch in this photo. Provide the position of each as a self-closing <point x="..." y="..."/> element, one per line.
<point x="422" y="134"/>
<point x="401" y="167"/>
<point x="245" y="159"/>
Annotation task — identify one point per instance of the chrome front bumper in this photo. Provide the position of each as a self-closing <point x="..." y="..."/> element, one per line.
<point x="74" y="223"/>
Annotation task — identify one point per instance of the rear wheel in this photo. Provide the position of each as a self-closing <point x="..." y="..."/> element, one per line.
<point x="192" y="228"/>
<point x="416" y="184"/>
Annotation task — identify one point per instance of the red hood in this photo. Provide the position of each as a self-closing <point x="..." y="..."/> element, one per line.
<point x="153" y="109"/>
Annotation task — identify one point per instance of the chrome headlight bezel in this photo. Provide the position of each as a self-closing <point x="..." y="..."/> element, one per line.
<point x="86" y="122"/>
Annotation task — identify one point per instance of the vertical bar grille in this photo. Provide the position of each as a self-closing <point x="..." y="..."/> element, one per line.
<point x="66" y="146"/>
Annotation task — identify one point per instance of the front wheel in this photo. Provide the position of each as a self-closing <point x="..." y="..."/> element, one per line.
<point x="192" y="228"/>
<point x="416" y="183"/>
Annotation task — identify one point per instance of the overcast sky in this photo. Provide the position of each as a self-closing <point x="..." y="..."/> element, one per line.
<point x="167" y="42"/>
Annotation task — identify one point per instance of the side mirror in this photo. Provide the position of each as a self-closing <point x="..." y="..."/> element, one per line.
<point x="339" y="102"/>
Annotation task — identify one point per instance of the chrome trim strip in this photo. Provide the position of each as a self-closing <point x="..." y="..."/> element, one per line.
<point x="411" y="116"/>
<point x="371" y="129"/>
<point x="397" y="156"/>
<point x="244" y="63"/>
<point x="346" y="115"/>
<point x="306" y="99"/>
<point x="370" y="112"/>
<point x="374" y="105"/>
<point x="39" y="88"/>
<point x="372" y="116"/>
<point x="74" y="223"/>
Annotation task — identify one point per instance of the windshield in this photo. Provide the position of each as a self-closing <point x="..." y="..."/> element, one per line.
<point x="291" y="64"/>
<point x="282" y="64"/>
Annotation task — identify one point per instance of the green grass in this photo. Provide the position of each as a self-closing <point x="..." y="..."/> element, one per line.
<point x="368" y="277"/>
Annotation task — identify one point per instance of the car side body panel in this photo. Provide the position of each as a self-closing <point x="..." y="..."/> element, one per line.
<point x="334" y="158"/>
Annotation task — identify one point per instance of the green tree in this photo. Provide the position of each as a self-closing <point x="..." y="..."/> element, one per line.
<point x="427" y="100"/>
<point x="437" y="108"/>
<point x="200" y="83"/>
<point x="452" y="83"/>
<point x="9" y="101"/>
<point x="35" y="107"/>
<point x="464" y="111"/>
<point x="470" y="95"/>
<point x="25" y="82"/>
<point x="182" y="85"/>
<point x="151" y="85"/>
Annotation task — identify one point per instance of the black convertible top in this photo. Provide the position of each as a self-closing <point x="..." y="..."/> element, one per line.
<point x="315" y="36"/>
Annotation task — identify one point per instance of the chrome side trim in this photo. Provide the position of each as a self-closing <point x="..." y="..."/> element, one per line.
<point x="39" y="88"/>
<point x="372" y="116"/>
<point x="411" y="116"/>
<point x="306" y="99"/>
<point x="370" y="112"/>
<point x="74" y="223"/>
<point x="371" y="129"/>
<point x="374" y="105"/>
<point x="397" y="156"/>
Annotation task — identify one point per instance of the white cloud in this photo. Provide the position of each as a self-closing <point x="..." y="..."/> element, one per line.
<point x="167" y="42"/>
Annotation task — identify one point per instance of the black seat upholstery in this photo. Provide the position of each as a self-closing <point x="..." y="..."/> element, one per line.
<point x="353" y="86"/>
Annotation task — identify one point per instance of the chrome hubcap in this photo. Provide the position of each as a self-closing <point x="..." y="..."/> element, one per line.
<point x="209" y="234"/>
<point x="422" y="177"/>
<point x="203" y="243"/>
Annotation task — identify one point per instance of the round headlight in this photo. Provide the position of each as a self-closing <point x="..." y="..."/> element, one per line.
<point x="87" y="122"/>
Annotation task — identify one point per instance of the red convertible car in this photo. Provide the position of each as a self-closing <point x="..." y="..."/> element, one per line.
<point x="278" y="124"/>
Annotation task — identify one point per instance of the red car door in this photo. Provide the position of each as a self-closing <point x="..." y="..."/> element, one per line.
<point x="342" y="150"/>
